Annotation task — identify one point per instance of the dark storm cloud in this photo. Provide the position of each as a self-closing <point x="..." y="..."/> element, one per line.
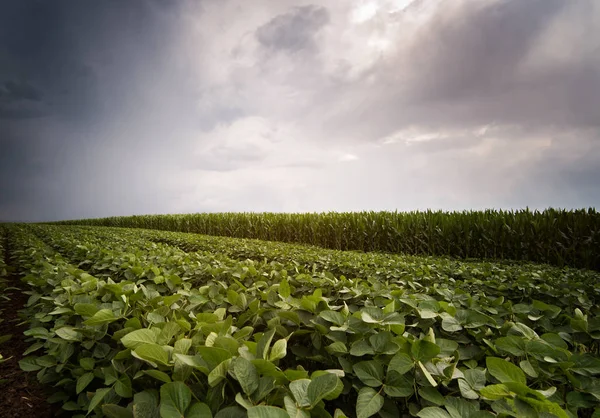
<point x="20" y="91"/>
<point x="295" y="30"/>
<point x="20" y="100"/>
<point x="68" y="70"/>
<point x="38" y="47"/>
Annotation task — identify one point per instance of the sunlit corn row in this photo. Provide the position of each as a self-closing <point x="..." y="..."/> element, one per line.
<point x="558" y="237"/>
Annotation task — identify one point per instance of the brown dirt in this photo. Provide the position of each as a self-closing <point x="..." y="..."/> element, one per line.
<point x="21" y="395"/>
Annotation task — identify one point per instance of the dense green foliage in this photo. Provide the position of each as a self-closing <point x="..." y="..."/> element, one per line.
<point x="557" y="237"/>
<point x="138" y="323"/>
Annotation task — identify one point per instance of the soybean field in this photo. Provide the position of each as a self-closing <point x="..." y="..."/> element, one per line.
<point x="134" y="322"/>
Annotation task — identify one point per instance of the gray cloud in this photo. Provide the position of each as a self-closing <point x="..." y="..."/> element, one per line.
<point x="294" y="30"/>
<point x="507" y="62"/>
<point x="20" y="91"/>
<point x="20" y="100"/>
<point x="475" y="50"/>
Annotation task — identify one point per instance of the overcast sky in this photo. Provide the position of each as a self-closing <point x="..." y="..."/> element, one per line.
<point x="147" y="106"/>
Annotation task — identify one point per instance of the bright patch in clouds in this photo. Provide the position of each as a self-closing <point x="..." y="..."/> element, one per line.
<point x="365" y="12"/>
<point x="348" y="157"/>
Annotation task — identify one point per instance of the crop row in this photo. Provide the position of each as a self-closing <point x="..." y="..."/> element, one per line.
<point x="122" y="328"/>
<point x="557" y="237"/>
<point x="566" y="287"/>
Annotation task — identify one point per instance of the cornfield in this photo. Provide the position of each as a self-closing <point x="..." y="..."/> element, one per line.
<point x="552" y="236"/>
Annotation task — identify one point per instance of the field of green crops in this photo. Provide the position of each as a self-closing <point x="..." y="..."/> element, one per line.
<point x="152" y="323"/>
<point x="557" y="237"/>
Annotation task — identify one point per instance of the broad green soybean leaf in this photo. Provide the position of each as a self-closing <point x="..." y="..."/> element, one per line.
<point x="145" y="404"/>
<point x="83" y="381"/>
<point x="85" y="309"/>
<point x="389" y="410"/>
<point x="116" y="411"/>
<point x="320" y="387"/>
<point x="505" y="371"/>
<point x="139" y="337"/>
<point x="451" y="324"/>
<point x="527" y="367"/>
<point x="168" y="331"/>
<point x="279" y="350"/>
<point x="460" y="408"/>
<point x="545" y="406"/>
<point x="103" y="316"/>
<point x="361" y="348"/>
<point x="299" y="389"/>
<point x="334" y="317"/>
<point x="175" y="398"/>
<point x="339" y="386"/>
<point x="264" y="343"/>
<point x="284" y="289"/>
<point x="123" y="387"/>
<point x="267" y="412"/>
<point x="182" y="346"/>
<point x="228" y="343"/>
<point x="398" y="385"/>
<point x="87" y="363"/>
<point x="38" y="332"/>
<point x="475" y="377"/>
<point x="371" y="315"/>
<point x="523" y="390"/>
<point x="110" y="375"/>
<point x="433" y="412"/>
<point x="495" y="392"/>
<point x="213" y="356"/>
<point x="447" y="347"/>
<point x="339" y="414"/>
<point x="432" y="395"/>
<point x="266" y="384"/>
<point x="512" y="344"/>
<point x="158" y="375"/>
<point x="401" y="363"/>
<point x="466" y="390"/>
<point x="33" y="348"/>
<point x="380" y="340"/>
<point x="152" y="353"/>
<point x="199" y="410"/>
<point x="293" y="410"/>
<point x="97" y="398"/>
<point x="239" y="398"/>
<point x="46" y="361"/>
<point x="196" y="362"/>
<point x="219" y="373"/>
<point x="423" y="350"/>
<point x="68" y="333"/>
<point x="368" y="403"/>
<point x="232" y="412"/>
<point x="246" y="375"/>
<point x="369" y="372"/>
<point x="337" y="347"/>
